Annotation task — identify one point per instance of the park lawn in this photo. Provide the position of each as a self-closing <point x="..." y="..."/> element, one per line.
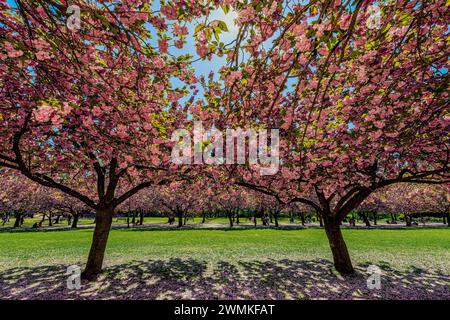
<point x="427" y="249"/>
<point x="28" y="222"/>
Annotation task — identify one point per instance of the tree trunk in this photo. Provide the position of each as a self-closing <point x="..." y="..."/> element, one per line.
<point x="320" y="220"/>
<point x="448" y="219"/>
<point x="17" y="221"/>
<point x="133" y="219"/>
<point x="408" y="220"/>
<point x="374" y="218"/>
<point x="50" y="220"/>
<point x="204" y="217"/>
<point x="141" y="217"/>
<point x="341" y="257"/>
<point x="275" y="216"/>
<point x="100" y="238"/>
<point x="302" y="217"/>
<point x="366" y="219"/>
<point x="128" y="218"/>
<point x="230" y="218"/>
<point x="75" y="221"/>
<point x="180" y="219"/>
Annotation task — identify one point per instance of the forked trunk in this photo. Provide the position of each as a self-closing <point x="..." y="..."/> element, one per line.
<point x="100" y="238"/>
<point x="341" y="257"/>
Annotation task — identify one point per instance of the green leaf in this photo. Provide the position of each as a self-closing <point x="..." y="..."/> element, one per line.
<point x="226" y="8"/>
<point x="199" y="28"/>
<point x="222" y="26"/>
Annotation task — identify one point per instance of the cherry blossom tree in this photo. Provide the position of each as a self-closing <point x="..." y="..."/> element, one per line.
<point x="361" y="101"/>
<point x="19" y="197"/>
<point x="94" y="107"/>
<point x="179" y="198"/>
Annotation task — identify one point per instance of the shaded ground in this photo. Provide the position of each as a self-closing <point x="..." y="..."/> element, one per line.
<point x="194" y="279"/>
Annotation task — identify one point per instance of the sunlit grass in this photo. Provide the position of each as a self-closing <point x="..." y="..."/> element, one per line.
<point x="422" y="248"/>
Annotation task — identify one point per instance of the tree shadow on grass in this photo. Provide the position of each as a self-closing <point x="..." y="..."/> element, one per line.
<point x="193" y="279"/>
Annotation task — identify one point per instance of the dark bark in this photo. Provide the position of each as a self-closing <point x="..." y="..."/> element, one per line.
<point x="374" y="214"/>
<point x="100" y="238"/>
<point x="128" y="218"/>
<point x="275" y="217"/>
<point x="17" y="216"/>
<point x="75" y="220"/>
<point x="408" y="220"/>
<point x="302" y="217"/>
<point x="141" y="217"/>
<point x="50" y="223"/>
<point x="448" y="219"/>
<point x="180" y="219"/>
<point x="366" y="219"/>
<point x="133" y="219"/>
<point x="341" y="257"/>
<point x="320" y="220"/>
<point x="230" y="218"/>
<point x="204" y="217"/>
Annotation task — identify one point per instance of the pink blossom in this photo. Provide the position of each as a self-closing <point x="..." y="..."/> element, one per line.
<point x="163" y="45"/>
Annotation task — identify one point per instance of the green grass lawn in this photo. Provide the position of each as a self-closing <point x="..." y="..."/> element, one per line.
<point x="422" y="248"/>
<point x="28" y="222"/>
